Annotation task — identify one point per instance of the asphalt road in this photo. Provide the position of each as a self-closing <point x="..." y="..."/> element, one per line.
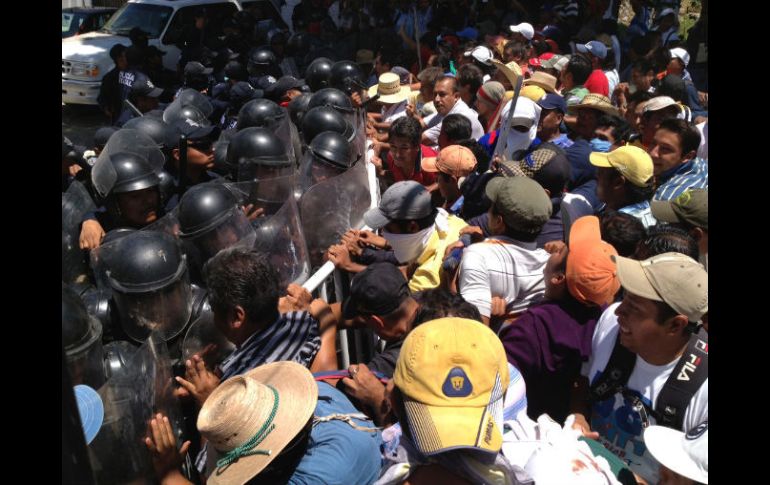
<point x="80" y="122"/>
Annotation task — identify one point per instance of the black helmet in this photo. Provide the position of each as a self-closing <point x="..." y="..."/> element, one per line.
<point x="149" y="260"/>
<point x="318" y="73"/>
<point x="236" y="71"/>
<point x="324" y="118"/>
<point x="331" y="148"/>
<point x="203" y="207"/>
<point x="160" y="132"/>
<point x="347" y="76"/>
<point x="259" y="113"/>
<point x="133" y="173"/>
<point x="104" y="133"/>
<point x="297" y="44"/>
<point x="298" y="107"/>
<point x="331" y="97"/>
<point x="220" y="156"/>
<point x="262" y="56"/>
<point x="82" y="340"/>
<point x="259" y="146"/>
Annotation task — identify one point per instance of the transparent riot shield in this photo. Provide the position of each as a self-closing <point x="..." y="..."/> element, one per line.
<point x="189" y="105"/>
<point x="359" y="142"/>
<point x="330" y="208"/>
<point x="281" y="237"/>
<point x="314" y="170"/>
<point x="267" y="196"/>
<point x="75" y="204"/>
<point x="125" y="140"/>
<point x="204" y="338"/>
<point x="131" y="398"/>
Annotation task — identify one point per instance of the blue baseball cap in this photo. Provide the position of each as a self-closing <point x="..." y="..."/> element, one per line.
<point x="594" y="47"/>
<point x="553" y="101"/>
<point x="91" y="411"/>
<point x="468" y="33"/>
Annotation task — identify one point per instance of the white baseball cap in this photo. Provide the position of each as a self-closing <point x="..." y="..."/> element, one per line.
<point x="482" y="54"/>
<point x="684" y="453"/>
<point x="524" y="29"/>
<point x="681" y="54"/>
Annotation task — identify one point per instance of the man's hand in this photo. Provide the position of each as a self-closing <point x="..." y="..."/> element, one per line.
<point x="297" y="299"/>
<point x="703" y="98"/>
<point x="412" y="112"/>
<point x="356" y="99"/>
<point x="166" y="459"/>
<point x="91" y="234"/>
<point x="498" y="308"/>
<point x="582" y="425"/>
<point x="477" y="235"/>
<point x="372" y="239"/>
<point x="553" y="246"/>
<point x="340" y="256"/>
<point x="200" y="382"/>
<point x="253" y="212"/>
<point x="367" y="389"/>
<point x="74" y="169"/>
<point x="351" y="240"/>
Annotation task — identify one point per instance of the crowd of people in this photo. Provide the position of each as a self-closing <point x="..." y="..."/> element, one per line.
<point x="517" y="191"/>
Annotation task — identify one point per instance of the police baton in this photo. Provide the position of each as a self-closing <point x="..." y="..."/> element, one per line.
<point x="133" y="108"/>
<point x="182" y="164"/>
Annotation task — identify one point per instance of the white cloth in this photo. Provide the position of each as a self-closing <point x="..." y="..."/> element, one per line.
<point x="619" y="426"/>
<point x="612" y="79"/>
<point x="392" y="112"/>
<point x="433" y="122"/>
<point x="525" y="108"/>
<point x="503" y="267"/>
<point x="703" y="149"/>
<point x="408" y="247"/>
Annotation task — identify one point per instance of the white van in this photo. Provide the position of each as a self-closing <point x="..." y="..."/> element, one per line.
<point x="86" y="58"/>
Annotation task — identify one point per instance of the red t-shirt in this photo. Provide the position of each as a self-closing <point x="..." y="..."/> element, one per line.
<point x="419" y="175"/>
<point x="597" y="83"/>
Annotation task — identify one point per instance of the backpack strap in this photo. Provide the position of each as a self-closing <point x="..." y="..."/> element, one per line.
<point x="685" y="380"/>
<point x="615" y="375"/>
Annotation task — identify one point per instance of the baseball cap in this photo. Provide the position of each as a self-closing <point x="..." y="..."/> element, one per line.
<point x="364" y="56"/>
<point x="680" y="54"/>
<point x="594" y="47"/>
<point x="403" y="74"/>
<point x="468" y="33"/>
<point x="377" y="290"/>
<point x="403" y="201"/>
<point x="243" y="91"/>
<point x="684" y="453"/>
<point x="455" y="160"/>
<point x="522" y="202"/>
<point x="690" y="207"/>
<point x="524" y="29"/>
<point x="659" y="102"/>
<point x="553" y="101"/>
<point x="196" y="131"/>
<point x="673" y="278"/>
<point x="482" y="54"/>
<point x="452" y="374"/>
<point x="142" y="86"/>
<point x="557" y="62"/>
<point x="664" y="12"/>
<point x="632" y="162"/>
<point x="547" y="165"/>
<point x="276" y="90"/>
<point x="591" y="273"/>
<point x="195" y="68"/>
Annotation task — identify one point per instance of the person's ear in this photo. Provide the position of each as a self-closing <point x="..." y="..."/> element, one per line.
<point x="690" y="155"/>
<point x="175" y="154"/>
<point x="237" y="317"/>
<point x="548" y="193"/>
<point x="559" y="278"/>
<point x="697" y="233"/>
<point x="376" y="322"/>
<point x="676" y="325"/>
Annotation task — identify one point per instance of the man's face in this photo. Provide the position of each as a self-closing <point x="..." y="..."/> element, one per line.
<point x="639" y="330"/>
<point x="675" y="66"/>
<point x="465" y="94"/>
<point x="502" y="79"/>
<point x="404" y="153"/>
<point x="665" y="151"/>
<point x="641" y="80"/>
<point x="586" y="122"/>
<point x="122" y="62"/>
<point x="634" y="114"/>
<point x="566" y="79"/>
<point x="484" y="109"/>
<point x="146" y="103"/>
<point x="200" y="153"/>
<point x="447" y="185"/>
<point x="444" y="96"/>
<point x="556" y="263"/>
<point x="550" y="119"/>
<point x="605" y="178"/>
<point x="140" y="207"/>
<point x="380" y="68"/>
<point x="605" y="133"/>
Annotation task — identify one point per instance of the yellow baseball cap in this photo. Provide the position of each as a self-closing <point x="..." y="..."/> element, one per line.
<point x="632" y="162"/>
<point x="453" y="374"/>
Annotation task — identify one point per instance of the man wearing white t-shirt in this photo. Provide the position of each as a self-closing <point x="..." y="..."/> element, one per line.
<point x="665" y="296"/>
<point x="447" y="101"/>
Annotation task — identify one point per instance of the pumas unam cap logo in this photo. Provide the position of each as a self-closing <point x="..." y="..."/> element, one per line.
<point x="457" y="384"/>
<point x="697" y="431"/>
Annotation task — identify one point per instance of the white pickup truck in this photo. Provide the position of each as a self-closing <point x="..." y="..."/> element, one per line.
<point x="86" y="59"/>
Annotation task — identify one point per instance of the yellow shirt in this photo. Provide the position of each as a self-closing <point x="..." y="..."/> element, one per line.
<point x="428" y="272"/>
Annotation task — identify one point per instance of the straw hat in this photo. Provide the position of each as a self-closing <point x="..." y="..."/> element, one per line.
<point x="512" y="71"/>
<point x="274" y="401"/>
<point x="543" y="80"/>
<point x="595" y="101"/>
<point x="389" y="88"/>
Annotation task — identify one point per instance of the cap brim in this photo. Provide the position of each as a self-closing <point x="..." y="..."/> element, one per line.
<point x="522" y="121"/>
<point x="633" y="278"/>
<point x="663" y="210"/>
<point x="582" y="48"/>
<point x="442" y="428"/>
<point x="375" y="219"/>
<point x="203" y="132"/>
<point x="429" y="164"/>
<point x="155" y="93"/>
<point x="599" y="159"/>
<point x="665" y="445"/>
<point x="512" y="169"/>
<point x="493" y="187"/>
<point x="298" y="395"/>
<point x="91" y="410"/>
<point x="545" y="87"/>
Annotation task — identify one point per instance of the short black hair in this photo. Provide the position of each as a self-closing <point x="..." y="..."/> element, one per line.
<point x="623" y="231"/>
<point x="640" y="97"/>
<point x="455" y="85"/>
<point x="406" y="127"/>
<point x="580" y="68"/>
<point x="482" y="156"/>
<point x="672" y="86"/>
<point x="516" y="48"/>
<point x="621" y="130"/>
<point x="667" y="238"/>
<point x="116" y="51"/>
<point x="470" y="74"/>
<point x="689" y="136"/>
<point x="388" y="56"/>
<point x="643" y="65"/>
<point x="439" y="303"/>
<point x="456" y="127"/>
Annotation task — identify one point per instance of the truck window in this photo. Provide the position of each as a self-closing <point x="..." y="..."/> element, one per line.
<point x="150" y="18"/>
<point x="216" y="14"/>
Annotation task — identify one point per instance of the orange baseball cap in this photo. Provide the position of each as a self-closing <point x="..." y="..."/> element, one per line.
<point x="591" y="273"/>
<point x="455" y="160"/>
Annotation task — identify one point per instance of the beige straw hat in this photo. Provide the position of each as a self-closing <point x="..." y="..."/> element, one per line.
<point x="511" y="71"/>
<point x="389" y="88"/>
<point x="595" y="101"/>
<point x="259" y="412"/>
<point x="543" y="80"/>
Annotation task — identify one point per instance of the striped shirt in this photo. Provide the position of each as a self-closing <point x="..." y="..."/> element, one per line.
<point x="641" y="211"/>
<point x="502" y="267"/>
<point x="690" y="175"/>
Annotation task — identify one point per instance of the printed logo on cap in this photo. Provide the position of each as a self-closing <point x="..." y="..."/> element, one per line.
<point x="457" y="384"/>
<point x="697" y="431"/>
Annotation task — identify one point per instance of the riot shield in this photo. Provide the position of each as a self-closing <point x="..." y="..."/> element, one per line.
<point x="189" y="105"/>
<point x="118" y="454"/>
<point x="75" y="204"/>
<point x="281" y="237"/>
<point x="314" y="170"/>
<point x="126" y="140"/>
<point x="330" y="208"/>
<point x="267" y="195"/>
<point x="204" y="338"/>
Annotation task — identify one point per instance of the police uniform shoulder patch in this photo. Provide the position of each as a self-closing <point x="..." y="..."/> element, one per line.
<point x="457" y="383"/>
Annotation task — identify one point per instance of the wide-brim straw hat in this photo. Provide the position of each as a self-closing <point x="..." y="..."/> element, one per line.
<point x="542" y="80"/>
<point x="241" y="406"/>
<point x="390" y="90"/>
<point x="512" y="71"/>
<point x="595" y="101"/>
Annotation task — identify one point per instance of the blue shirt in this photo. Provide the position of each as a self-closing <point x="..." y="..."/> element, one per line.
<point x="690" y="175"/>
<point x="338" y="453"/>
<point x="641" y="211"/>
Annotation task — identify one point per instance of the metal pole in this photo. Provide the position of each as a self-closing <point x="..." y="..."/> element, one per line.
<point x="182" y="164"/>
<point x="417" y="36"/>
